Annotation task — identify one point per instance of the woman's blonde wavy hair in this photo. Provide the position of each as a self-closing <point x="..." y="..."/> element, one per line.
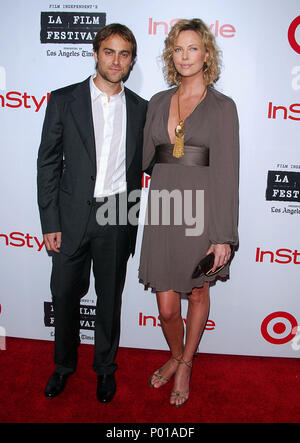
<point x="212" y="67"/>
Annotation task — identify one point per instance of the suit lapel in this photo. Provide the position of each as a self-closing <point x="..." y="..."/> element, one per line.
<point x="131" y="127"/>
<point x="81" y="109"/>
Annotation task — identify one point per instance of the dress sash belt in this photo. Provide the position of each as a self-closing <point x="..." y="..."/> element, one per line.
<point x="193" y="155"/>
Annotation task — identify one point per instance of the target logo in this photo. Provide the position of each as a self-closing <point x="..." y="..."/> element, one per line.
<point x="292" y="34"/>
<point x="279" y="328"/>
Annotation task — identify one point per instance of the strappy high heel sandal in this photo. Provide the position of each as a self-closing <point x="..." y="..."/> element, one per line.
<point x="156" y="377"/>
<point x="182" y="395"/>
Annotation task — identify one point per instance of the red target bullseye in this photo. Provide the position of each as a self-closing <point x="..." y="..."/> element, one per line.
<point x="292" y="34"/>
<point x="279" y="328"/>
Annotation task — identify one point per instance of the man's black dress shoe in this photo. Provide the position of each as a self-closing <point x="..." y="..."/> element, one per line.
<point x="106" y="388"/>
<point x="56" y="384"/>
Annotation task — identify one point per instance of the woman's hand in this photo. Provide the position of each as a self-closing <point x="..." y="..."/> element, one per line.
<point x="222" y="254"/>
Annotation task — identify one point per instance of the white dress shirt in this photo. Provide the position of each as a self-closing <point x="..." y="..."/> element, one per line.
<point x="109" y="117"/>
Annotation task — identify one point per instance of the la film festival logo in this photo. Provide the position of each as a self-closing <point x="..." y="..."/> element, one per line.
<point x="283" y="186"/>
<point x="71" y="27"/>
<point x="87" y="316"/>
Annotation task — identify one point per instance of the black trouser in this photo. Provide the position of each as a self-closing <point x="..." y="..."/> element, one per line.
<point x="107" y="248"/>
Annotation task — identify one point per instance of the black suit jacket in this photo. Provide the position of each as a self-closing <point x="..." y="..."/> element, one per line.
<point x="67" y="161"/>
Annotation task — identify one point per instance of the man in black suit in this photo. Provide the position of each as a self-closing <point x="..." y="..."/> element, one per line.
<point x="90" y="157"/>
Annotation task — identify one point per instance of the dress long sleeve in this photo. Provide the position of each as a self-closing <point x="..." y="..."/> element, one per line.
<point x="224" y="175"/>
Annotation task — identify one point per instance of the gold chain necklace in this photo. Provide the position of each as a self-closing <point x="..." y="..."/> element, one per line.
<point x="178" y="150"/>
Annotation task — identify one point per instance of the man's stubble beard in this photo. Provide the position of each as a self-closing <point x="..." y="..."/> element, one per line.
<point x="110" y="79"/>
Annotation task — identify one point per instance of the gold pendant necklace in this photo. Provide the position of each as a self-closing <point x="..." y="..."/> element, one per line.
<point x="178" y="150"/>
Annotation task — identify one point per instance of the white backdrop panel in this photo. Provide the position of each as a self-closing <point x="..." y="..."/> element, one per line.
<point x="261" y="71"/>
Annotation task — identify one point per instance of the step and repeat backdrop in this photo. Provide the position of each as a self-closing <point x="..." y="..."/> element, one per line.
<point x="46" y="45"/>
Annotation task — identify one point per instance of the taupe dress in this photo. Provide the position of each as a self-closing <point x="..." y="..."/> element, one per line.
<point x="172" y="248"/>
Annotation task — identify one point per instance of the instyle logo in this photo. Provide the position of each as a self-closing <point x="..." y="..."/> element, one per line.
<point x="146" y="179"/>
<point x="15" y="99"/>
<point x="281" y="256"/>
<point x="150" y="320"/>
<point x="71" y="28"/>
<point x="218" y="29"/>
<point x="291" y="112"/>
<point x="19" y="240"/>
<point x="292" y="34"/>
<point x="279" y="328"/>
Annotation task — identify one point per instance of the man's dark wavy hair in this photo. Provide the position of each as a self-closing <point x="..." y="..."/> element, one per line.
<point x="122" y="31"/>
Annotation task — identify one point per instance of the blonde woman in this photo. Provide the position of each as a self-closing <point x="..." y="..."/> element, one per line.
<point x="191" y="137"/>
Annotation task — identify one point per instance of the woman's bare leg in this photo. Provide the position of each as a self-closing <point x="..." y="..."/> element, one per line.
<point x="169" y="306"/>
<point x="198" y="309"/>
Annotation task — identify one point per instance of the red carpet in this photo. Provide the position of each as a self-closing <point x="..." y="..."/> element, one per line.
<point x="224" y="389"/>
